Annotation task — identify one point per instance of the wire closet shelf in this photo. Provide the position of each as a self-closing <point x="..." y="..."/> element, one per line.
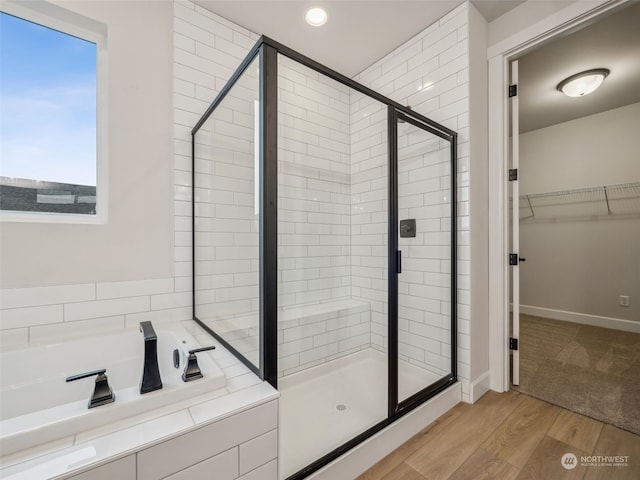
<point x="622" y="200"/>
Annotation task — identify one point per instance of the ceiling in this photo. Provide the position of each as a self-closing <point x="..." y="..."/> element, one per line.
<point x="360" y="32"/>
<point x="611" y="42"/>
<point x="357" y="33"/>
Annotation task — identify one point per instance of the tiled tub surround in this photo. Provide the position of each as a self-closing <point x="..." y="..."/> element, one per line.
<point x="231" y="431"/>
<point x="38" y="406"/>
<point x="40" y="315"/>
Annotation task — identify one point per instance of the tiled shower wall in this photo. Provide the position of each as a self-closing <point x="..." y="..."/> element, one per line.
<point x="424" y="287"/>
<point x="369" y="210"/>
<point x="320" y="322"/>
<point x="430" y="73"/>
<point x="227" y="213"/>
<point x="314" y="226"/>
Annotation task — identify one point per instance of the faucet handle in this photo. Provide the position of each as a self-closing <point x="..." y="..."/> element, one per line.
<point x="203" y="349"/>
<point x="192" y="369"/>
<point x="86" y="375"/>
<point x="102" y="392"/>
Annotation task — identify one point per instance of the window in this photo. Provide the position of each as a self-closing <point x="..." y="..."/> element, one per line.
<point x="50" y="137"/>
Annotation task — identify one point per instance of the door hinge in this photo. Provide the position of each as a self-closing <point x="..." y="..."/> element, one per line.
<point x="513" y="91"/>
<point x="513" y="343"/>
<point x="513" y="259"/>
<point x="513" y="174"/>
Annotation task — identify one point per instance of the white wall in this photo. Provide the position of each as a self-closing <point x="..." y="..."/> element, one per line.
<point x="478" y="181"/>
<point x="136" y="242"/>
<point x="523" y="16"/>
<point x="582" y="265"/>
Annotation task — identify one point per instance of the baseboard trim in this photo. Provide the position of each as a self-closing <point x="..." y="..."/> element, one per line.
<point x="480" y="386"/>
<point x="365" y="455"/>
<point x="583" y="318"/>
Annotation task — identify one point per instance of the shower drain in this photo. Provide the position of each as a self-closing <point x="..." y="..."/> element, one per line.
<point x="341" y="407"/>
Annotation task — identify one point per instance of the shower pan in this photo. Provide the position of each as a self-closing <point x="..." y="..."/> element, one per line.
<point x="324" y="252"/>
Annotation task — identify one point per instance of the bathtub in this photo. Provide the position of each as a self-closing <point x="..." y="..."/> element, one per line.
<point x="38" y="406"/>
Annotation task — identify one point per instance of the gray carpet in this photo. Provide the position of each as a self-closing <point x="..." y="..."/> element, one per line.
<point x="589" y="370"/>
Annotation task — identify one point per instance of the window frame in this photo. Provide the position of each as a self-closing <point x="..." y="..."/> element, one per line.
<point x="84" y="28"/>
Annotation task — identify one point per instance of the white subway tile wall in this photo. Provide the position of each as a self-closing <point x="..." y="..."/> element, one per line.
<point x="314" y="334"/>
<point x="370" y="211"/>
<point x="430" y="73"/>
<point x="207" y="50"/>
<point x="227" y="216"/>
<point x="318" y="320"/>
<point x="424" y="287"/>
<point x="313" y="186"/>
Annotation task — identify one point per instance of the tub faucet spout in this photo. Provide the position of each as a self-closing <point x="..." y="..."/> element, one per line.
<point x="151" y="380"/>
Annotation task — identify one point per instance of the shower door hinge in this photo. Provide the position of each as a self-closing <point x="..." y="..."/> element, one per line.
<point x="513" y="343"/>
<point x="513" y="174"/>
<point x="513" y="91"/>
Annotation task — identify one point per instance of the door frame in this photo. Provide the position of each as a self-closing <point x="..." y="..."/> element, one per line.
<point x="499" y="58"/>
<point x="395" y="404"/>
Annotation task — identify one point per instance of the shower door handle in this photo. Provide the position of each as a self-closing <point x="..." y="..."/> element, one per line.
<point x="399" y="261"/>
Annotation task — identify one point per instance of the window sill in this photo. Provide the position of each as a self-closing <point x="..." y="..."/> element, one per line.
<point x="45" y="217"/>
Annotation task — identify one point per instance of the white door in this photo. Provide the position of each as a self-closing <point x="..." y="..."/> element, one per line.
<point x="515" y="232"/>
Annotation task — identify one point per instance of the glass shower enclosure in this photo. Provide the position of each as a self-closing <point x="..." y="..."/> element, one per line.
<point x="324" y="248"/>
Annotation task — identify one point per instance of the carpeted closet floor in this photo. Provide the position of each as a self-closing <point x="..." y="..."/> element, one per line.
<point x="589" y="370"/>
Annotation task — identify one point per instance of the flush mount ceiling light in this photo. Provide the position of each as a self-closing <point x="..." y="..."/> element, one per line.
<point x="316" y="17"/>
<point x="583" y="83"/>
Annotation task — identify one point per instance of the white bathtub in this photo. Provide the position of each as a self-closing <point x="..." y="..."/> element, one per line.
<point x="37" y="405"/>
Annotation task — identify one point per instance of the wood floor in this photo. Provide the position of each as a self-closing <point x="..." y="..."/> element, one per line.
<point x="508" y="436"/>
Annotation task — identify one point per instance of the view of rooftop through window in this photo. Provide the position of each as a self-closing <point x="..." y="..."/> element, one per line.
<point x="47" y="119"/>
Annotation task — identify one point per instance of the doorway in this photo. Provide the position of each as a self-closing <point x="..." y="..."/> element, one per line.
<point x="575" y="339"/>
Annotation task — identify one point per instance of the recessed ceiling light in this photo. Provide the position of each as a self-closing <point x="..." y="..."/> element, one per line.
<point x="316" y="16"/>
<point x="583" y="83"/>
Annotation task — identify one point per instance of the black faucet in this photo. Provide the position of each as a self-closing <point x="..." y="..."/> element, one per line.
<point x="192" y="369"/>
<point x="102" y="392"/>
<point x="151" y="380"/>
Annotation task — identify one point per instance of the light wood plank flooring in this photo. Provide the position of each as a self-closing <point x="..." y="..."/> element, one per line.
<point x="510" y="436"/>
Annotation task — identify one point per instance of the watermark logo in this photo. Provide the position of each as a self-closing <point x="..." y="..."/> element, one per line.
<point x="569" y="461"/>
